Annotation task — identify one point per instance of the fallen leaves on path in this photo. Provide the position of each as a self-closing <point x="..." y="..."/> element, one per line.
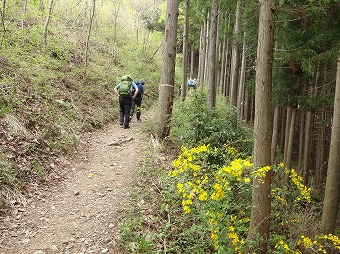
<point x="81" y="212"/>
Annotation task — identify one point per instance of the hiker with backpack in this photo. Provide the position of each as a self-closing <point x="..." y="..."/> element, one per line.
<point x="124" y="91"/>
<point x="136" y="103"/>
<point x="192" y="84"/>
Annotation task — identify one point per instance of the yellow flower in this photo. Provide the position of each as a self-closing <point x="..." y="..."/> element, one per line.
<point x="203" y="196"/>
<point x="218" y="194"/>
<point x="261" y="172"/>
<point x="186" y="202"/>
<point x="307" y="242"/>
<point x="174" y="173"/>
<point x="176" y="163"/>
<point x="232" y="151"/>
<point x="214" y="235"/>
<point x="187" y="209"/>
<point x="180" y="187"/>
<point x="282" y="244"/>
<point x="234" y="237"/>
<point x="194" y="167"/>
<point x="200" y="149"/>
<point x="247" y="163"/>
<point x="195" y="189"/>
<point x="333" y="238"/>
<point x="247" y="180"/>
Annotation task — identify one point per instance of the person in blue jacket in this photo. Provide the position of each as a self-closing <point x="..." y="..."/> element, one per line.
<point x="192" y="84"/>
<point x="137" y="102"/>
<point x="124" y="91"/>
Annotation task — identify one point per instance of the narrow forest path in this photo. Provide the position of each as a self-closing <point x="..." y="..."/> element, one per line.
<point x="80" y="215"/>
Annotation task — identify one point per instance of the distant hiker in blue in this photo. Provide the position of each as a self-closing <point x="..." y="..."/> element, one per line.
<point x="138" y="100"/>
<point x="190" y="81"/>
<point x="192" y="84"/>
<point x="124" y="91"/>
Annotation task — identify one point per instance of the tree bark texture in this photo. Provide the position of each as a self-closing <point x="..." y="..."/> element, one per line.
<point x="200" y="58"/>
<point x="306" y="148"/>
<point x="320" y="155"/>
<point x="282" y="133"/>
<point x="301" y="135"/>
<point x="185" y="51"/>
<point x="222" y="79"/>
<point x="218" y="53"/>
<point x="93" y="9"/>
<point x="24" y="10"/>
<point x="114" y="36"/>
<point x="235" y="58"/>
<point x="207" y="41"/>
<point x="247" y="105"/>
<point x="240" y="97"/>
<point x="227" y="64"/>
<point x="288" y="156"/>
<point x="290" y="140"/>
<point x="288" y="119"/>
<point x="275" y="133"/>
<point x="47" y="22"/>
<point x="260" y="212"/>
<point x="192" y="59"/>
<point x="166" y="88"/>
<point x="331" y="200"/>
<point x="212" y="56"/>
<point x="2" y="11"/>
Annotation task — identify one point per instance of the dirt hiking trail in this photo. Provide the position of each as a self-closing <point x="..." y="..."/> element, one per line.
<point x="80" y="214"/>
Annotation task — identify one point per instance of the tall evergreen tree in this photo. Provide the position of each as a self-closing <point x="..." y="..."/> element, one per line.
<point x="332" y="195"/>
<point x="212" y="55"/>
<point x="185" y="50"/>
<point x="166" y="88"/>
<point x="260" y="212"/>
<point x="236" y="55"/>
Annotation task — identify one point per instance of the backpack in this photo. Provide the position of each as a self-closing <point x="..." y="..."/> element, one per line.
<point x="194" y="83"/>
<point x="140" y="88"/>
<point x="125" y="88"/>
<point x="190" y="83"/>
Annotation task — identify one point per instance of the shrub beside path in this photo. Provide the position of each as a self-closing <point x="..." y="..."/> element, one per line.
<point x="80" y="214"/>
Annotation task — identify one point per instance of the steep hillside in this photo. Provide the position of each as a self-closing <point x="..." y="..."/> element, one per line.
<point x="52" y="93"/>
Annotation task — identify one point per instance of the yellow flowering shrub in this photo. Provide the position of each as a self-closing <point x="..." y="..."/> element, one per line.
<point x="216" y="184"/>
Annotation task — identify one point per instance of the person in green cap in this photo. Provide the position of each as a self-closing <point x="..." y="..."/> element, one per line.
<point x="124" y="91"/>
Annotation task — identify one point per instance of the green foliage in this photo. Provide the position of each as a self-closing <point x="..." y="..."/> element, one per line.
<point x="306" y="44"/>
<point x="153" y="22"/>
<point x="193" y="123"/>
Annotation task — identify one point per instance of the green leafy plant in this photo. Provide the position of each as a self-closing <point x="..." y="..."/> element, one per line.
<point x="193" y="123"/>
